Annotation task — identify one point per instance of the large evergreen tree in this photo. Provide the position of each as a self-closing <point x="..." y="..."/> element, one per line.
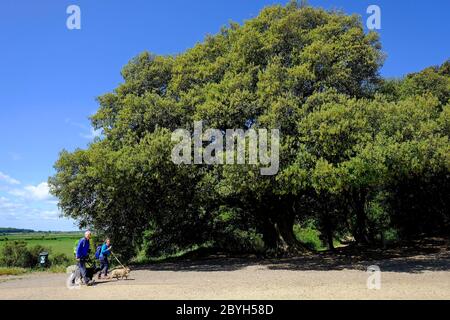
<point x="350" y="141"/>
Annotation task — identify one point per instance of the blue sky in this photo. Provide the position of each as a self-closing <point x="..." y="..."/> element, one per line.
<point x="50" y="76"/>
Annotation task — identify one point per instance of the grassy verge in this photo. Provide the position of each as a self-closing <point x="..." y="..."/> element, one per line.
<point x="4" y="271"/>
<point x="10" y="271"/>
<point x="57" y="269"/>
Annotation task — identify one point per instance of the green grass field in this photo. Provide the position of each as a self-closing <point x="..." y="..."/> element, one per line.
<point x="57" y="242"/>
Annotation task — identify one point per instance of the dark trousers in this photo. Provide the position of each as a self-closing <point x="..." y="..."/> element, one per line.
<point x="104" y="265"/>
<point x="82" y="266"/>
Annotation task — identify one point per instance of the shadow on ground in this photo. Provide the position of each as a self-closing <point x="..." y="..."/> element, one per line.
<point x="416" y="257"/>
<point x="103" y="281"/>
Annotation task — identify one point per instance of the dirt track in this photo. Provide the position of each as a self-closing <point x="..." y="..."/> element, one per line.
<point x="315" y="277"/>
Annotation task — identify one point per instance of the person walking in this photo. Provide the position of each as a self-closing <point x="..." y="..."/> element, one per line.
<point x="104" y="254"/>
<point x="82" y="254"/>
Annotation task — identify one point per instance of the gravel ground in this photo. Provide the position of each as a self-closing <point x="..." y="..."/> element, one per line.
<point x="313" y="277"/>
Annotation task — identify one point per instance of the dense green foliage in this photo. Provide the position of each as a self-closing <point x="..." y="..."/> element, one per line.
<point x="362" y="157"/>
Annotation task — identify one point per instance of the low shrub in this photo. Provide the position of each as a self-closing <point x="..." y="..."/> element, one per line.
<point x="60" y="259"/>
<point x="309" y="236"/>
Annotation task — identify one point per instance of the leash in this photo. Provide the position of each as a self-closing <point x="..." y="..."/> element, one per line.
<point x="112" y="253"/>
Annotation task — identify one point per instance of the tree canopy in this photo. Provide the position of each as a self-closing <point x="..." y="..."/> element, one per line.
<point x="360" y="155"/>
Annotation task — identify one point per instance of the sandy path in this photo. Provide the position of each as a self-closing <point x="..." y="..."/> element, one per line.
<point x="418" y="277"/>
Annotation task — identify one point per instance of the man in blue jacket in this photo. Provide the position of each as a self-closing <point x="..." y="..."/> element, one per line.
<point x="82" y="254"/>
<point x="104" y="253"/>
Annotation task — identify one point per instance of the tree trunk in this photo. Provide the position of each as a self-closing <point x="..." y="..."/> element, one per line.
<point x="327" y="228"/>
<point x="360" y="232"/>
<point x="279" y="237"/>
<point x="330" y="239"/>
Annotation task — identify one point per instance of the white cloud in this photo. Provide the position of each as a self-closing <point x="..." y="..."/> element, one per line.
<point x="40" y="192"/>
<point x="8" y="179"/>
<point x="49" y="214"/>
<point x="89" y="132"/>
<point x="14" y="213"/>
<point x="92" y="135"/>
<point x="9" y="209"/>
<point x="7" y="206"/>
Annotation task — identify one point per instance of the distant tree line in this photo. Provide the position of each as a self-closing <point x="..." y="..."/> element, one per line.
<point x="14" y="230"/>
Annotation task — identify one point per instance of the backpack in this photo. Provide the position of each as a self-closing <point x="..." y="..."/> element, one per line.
<point x="98" y="251"/>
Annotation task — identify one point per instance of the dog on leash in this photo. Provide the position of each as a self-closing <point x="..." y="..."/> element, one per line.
<point x="120" y="273"/>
